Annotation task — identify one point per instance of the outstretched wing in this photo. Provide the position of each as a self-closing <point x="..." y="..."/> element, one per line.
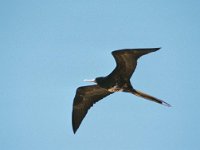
<point x="126" y="61"/>
<point x="85" y="97"/>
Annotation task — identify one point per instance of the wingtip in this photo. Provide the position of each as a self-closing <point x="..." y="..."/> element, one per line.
<point x="158" y="48"/>
<point x="74" y="125"/>
<point x="74" y="130"/>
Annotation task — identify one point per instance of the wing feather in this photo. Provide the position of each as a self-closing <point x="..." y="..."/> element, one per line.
<point x="85" y="97"/>
<point x="126" y="62"/>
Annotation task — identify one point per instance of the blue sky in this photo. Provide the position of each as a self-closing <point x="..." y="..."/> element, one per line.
<point x="48" y="47"/>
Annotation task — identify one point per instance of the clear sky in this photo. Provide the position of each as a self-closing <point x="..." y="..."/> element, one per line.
<point x="49" y="46"/>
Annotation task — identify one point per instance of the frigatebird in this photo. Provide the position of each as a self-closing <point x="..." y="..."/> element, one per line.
<point x="117" y="80"/>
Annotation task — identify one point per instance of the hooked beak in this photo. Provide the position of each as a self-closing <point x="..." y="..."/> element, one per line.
<point x="92" y="80"/>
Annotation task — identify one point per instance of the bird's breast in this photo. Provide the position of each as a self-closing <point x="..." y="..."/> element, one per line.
<point x="115" y="89"/>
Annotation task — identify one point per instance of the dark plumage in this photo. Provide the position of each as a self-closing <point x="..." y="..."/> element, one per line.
<point x="117" y="80"/>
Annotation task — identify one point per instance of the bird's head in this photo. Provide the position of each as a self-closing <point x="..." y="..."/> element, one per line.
<point x="99" y="80"/>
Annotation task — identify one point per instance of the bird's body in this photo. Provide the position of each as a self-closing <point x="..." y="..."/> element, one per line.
<point x="117" y="80"/>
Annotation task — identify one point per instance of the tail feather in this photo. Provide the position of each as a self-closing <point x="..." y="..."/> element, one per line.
<point x="149" y="97"/>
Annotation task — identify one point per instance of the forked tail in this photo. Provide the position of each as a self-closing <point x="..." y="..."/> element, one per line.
<point x="149" y="97"/>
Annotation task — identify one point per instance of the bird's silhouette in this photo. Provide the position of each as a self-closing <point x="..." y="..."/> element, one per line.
<point x="117" y="80"/>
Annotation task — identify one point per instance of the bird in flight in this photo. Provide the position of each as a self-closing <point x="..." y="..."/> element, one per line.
<point x="117" y="80"/>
